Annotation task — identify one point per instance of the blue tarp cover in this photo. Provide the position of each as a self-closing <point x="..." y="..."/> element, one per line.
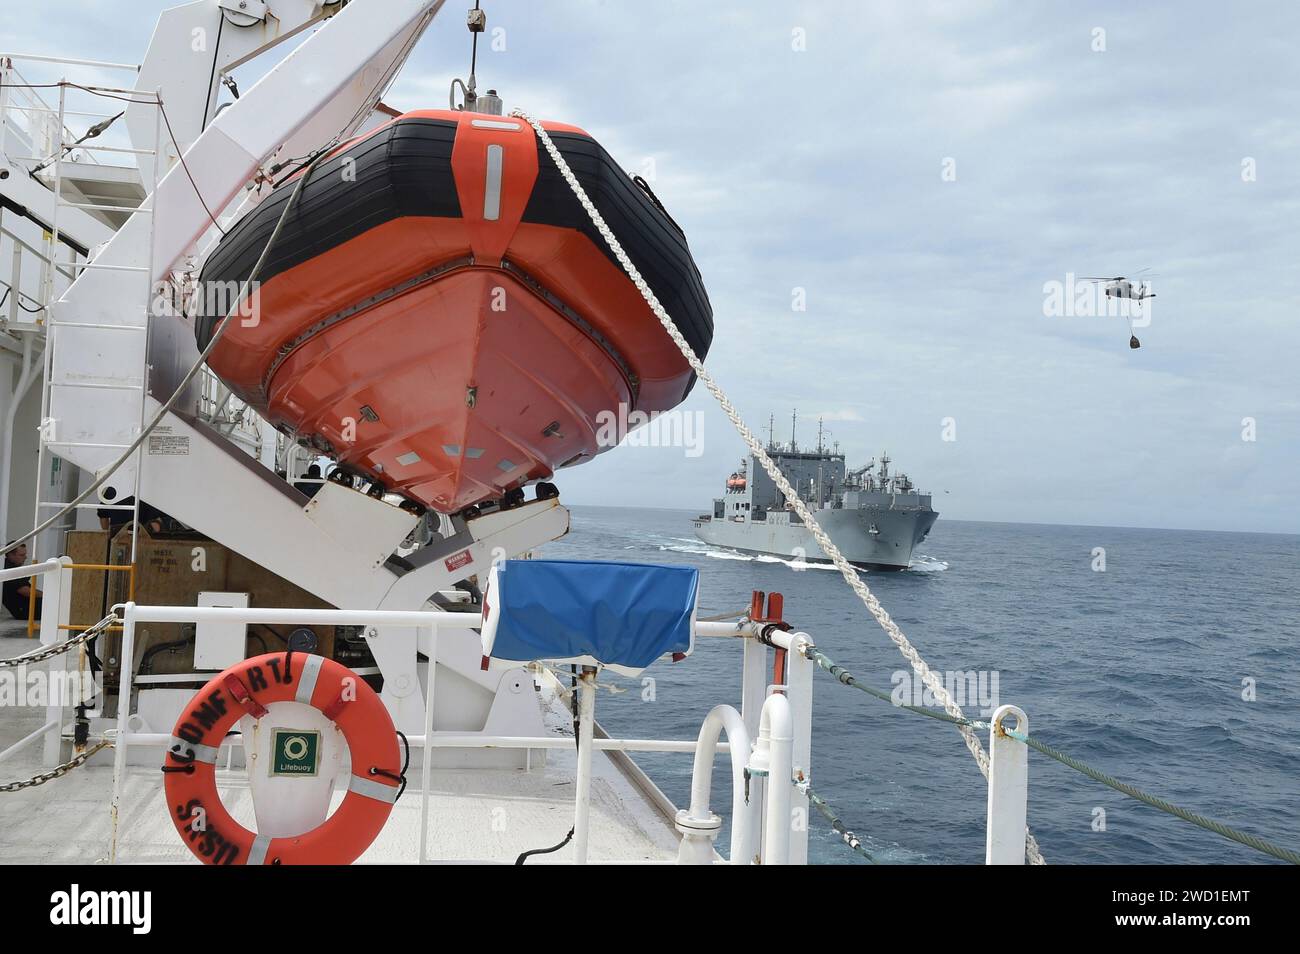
<point x="621" y="614"/>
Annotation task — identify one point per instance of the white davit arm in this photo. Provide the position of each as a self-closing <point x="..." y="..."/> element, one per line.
<point x="351" y="58"/>
<point x="335" y="76"/>
<point x="193" y="46"/>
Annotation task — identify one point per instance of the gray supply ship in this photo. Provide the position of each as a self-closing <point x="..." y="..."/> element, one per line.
<point x="875" y="518"/>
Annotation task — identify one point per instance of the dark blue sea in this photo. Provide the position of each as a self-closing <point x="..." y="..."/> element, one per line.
<point x="1139" y="670"/>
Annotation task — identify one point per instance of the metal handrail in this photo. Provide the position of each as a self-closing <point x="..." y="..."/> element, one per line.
<point x="32" y="570"/>
<point x="429" y="621"/>
<point x="68" y="61"/>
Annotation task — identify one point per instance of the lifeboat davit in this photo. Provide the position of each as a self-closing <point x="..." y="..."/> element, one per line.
<point x="439" y="314"/>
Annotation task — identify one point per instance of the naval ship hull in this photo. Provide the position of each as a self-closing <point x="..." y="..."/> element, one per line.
<point x="890" y="548"/>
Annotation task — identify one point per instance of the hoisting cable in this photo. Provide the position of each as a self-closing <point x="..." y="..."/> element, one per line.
<point x="476" y="21"/>
<point x="847" y="570"/>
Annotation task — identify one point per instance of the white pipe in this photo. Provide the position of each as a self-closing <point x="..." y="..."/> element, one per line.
<point x="582" y="794"/>
<point x="25" y="382"/>
<point x="453" y="740"/>
<point x="781" y="639"/>
<point x="320" y="617"/>
<point x="743" y="808"/>
<point x="35" y="58"/>
<point x="122" y="740"/>
<point x="774" y="758"/>
<point x="429" y="680"/>
<point x="27" y="740"/>
<point x="737" y="628"/>
<point x="338" y="617"/>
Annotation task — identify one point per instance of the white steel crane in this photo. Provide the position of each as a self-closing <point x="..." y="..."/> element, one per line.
<point x="116" y="360"/>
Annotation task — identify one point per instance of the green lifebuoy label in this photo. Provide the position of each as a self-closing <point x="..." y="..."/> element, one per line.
<point x="295" y="752"/>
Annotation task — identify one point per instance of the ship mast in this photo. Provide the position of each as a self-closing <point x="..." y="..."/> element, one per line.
<point x="820" y="453"/>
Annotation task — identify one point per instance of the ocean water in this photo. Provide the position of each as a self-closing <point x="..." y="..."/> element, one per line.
<point x="1139" y="670"/>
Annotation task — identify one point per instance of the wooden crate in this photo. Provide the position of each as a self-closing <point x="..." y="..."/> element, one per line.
<point x="173" y="571"/>
<point x="89" y="587"/>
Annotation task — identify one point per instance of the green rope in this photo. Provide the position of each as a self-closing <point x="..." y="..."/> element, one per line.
<point x="846" y="677"/>
<point x="837" y="826"/>
<point x="1209" y="824"/>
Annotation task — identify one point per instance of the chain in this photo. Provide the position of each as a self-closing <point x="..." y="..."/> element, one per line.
<point x="847" y="570"/>
<point x="55" y="649"/>
<point x="57" y="772"/>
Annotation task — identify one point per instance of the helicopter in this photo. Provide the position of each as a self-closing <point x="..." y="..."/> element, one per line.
<point x="1135" y="290"/>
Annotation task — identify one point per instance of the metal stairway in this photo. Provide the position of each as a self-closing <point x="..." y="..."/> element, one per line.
<point x="123" y="363"/>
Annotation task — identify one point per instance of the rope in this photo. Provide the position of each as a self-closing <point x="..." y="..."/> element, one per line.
<point x="846" y="677"/>
<point x="1209" y="824"/>
<point x="847" y="570"/>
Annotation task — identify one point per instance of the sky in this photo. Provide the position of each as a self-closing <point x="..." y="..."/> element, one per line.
<point x="917" y="175"/>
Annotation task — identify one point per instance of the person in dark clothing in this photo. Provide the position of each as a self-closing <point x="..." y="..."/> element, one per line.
<point x="113" y="520"/>
<point x="18" y="593"/>
<point x="311" y="482"/>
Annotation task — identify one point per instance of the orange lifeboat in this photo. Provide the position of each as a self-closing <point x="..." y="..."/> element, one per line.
<point x="439" y="314"/>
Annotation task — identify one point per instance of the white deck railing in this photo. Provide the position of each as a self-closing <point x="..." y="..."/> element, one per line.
<point x="754" y="693"/>
<point x="782" y="737"/>
<point x="56" y="599"/>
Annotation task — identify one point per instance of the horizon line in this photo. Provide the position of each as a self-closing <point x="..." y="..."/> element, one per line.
<point x="1016" y="523"/>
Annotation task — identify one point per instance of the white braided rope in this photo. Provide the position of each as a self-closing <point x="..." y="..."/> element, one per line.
<point x="850" y="573"/>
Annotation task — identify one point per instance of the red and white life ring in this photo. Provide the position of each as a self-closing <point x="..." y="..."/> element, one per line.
<point x="248" y="688"/>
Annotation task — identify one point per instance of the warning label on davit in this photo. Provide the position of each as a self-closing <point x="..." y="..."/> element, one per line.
<point x="169" y="445"/>
<point x="458" y="560"/>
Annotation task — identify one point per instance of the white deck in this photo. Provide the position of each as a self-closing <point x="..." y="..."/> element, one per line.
<point x="483" y="815"/>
